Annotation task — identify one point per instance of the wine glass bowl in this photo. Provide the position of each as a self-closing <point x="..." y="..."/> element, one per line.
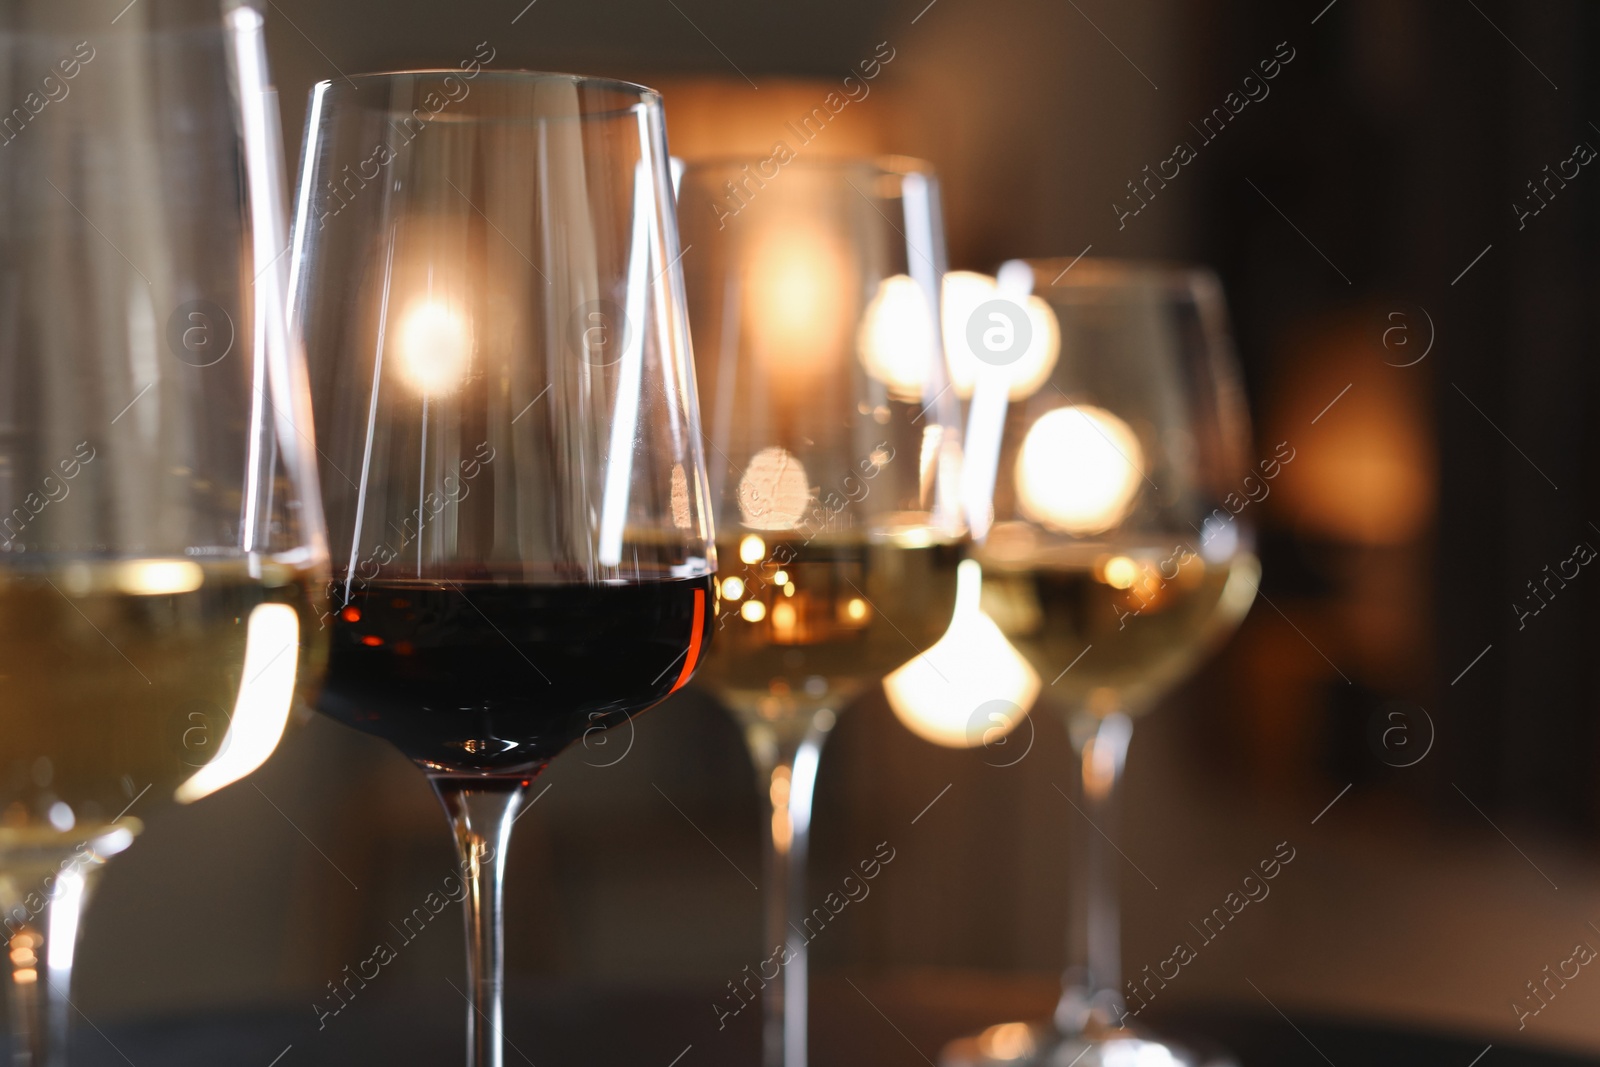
<point x="501" y="391"/>
<point x="833" y="450"/>
<point x="1109" y="527"/>
<point x="487" y="277"/>
<point x="1115" y="554"/>
<point x="161" y="545"/>
<point x="814" y="296"/>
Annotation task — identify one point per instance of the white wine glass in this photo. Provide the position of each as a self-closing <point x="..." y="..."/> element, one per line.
<point x="161" y="546"/>
<point x="1106" y="409"/>
<point x="834" y="468"/>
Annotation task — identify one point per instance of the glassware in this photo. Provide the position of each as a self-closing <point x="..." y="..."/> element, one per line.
<point x="488" y="284"/>
<point x="160" y="528"/>
<point x="814" y="294"/>
<point x="1105" y="407"/>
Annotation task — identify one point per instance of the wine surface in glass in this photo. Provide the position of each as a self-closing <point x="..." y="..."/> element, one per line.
<point x="846" y="613"/>
<point x="122" y="675"/>
<point x="489" y="677"/>
<point x="1145" y="617"/>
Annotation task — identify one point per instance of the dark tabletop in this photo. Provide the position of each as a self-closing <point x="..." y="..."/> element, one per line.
<point x="856" y="1020"/>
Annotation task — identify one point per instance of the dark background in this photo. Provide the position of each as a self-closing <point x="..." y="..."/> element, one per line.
<point x="1395" y="549"/>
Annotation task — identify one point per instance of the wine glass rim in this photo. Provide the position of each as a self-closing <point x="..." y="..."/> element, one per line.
<point x="1096" y="272"/>
<point x="883" y="163"/>
<point x="643" y="94"/>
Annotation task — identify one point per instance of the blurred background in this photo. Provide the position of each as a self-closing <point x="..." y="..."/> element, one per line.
<point x="1410" y="704"/>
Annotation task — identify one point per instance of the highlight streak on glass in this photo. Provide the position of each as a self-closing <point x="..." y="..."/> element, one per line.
<point x="66" y="907"/>
<point x="925" y="238"/>
<point x="625" y="420"/>
<point x="372" y="406"/>
<point x="262" y="139"/>
<point x="986" y="423"/>
<point x="696" y="640"/>
<point x="266" y="692"/>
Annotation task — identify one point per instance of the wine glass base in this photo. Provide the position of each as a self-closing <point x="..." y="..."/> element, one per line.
<point x="1040" y="1045"/>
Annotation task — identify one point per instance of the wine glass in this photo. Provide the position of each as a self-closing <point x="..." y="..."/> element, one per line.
<point x="160" y="528"/>
<point x="814" y="295"/>
<point x="489" y="288"/>
<point x="1116" y="555"/>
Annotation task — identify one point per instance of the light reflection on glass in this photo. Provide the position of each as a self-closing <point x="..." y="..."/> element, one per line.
<point x="266" y="692"/>
<point x="1079" y="470"/>
<point x="435" y="344"/>
<point x="949" y="694"/>
<point x="896" y="337"/>
<point x="1021" y="347"/>
<point x="773" y="491"/>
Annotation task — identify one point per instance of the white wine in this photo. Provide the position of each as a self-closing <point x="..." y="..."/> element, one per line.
<point x="120" y="679"/>
<point x="812" y="626"/>
<point x="1112" y="629"/>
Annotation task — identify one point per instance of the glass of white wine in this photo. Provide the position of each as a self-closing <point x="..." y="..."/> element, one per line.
<point x="160" y="528"/>
<point x="813" y="298"/>
<point x="1106" y="411"/>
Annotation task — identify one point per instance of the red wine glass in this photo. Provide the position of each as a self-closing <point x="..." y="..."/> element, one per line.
<point x="487" y="281"/>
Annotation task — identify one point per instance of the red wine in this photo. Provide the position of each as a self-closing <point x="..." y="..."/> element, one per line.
<point x="491" y="677"/>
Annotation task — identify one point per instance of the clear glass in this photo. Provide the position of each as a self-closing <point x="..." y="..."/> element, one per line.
<point x="161" y="544"/>
<point x="488" y="281"/>
<point x="814" y="297"/>
<point x="1109" y="430"/>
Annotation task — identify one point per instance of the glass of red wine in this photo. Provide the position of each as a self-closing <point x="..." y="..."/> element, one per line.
<point x="486" y="277"/>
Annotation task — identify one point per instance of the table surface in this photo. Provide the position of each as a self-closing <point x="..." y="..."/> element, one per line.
<point x="893" y="1021"/>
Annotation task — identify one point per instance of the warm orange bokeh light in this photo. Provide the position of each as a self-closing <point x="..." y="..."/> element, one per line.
<point x="800" y="302"/>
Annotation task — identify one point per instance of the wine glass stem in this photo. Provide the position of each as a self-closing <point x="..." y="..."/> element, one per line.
<point x="1092" y="984"/>
<point x="790" y="775"/>
<point x="41" y="932"/>
<point x="481" y="812"/>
